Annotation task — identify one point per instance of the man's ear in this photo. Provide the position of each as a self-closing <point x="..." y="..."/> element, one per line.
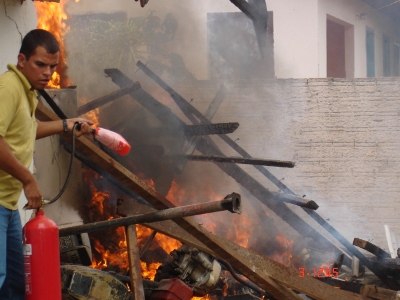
<point x="21" y="61"/>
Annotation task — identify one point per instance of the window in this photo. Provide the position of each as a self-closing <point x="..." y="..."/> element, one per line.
<point x="370" y="47"/>
<point x="386" y="56"/>
<point x="396" y="60"/>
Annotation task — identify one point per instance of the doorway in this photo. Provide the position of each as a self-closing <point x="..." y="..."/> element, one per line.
<point x="340" y="49"/>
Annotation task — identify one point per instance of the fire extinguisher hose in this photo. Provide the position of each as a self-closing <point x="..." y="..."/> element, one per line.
<point x="76" y="126"/>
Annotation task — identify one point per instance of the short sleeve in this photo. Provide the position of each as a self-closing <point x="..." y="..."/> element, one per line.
<point x="9" y="101"/>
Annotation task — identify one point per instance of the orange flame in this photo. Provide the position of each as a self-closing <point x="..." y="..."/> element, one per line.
<point x="117" y="257"/>
<point x="284" y="250"/>
<point x="51" y="17"/>
<point x="93" y="116"/>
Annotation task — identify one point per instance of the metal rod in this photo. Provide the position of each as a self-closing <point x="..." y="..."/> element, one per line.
<point x="108" y="98"/>
<point x="239" y="160"/>
<point x="231" y="203"/>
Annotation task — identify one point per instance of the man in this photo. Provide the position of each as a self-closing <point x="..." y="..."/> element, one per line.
<point x="37" y="60"/>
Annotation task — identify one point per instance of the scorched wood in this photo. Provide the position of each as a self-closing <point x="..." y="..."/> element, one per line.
<point x="239" y="160"/>
<point x="108" y="98"/>
<point x="378" y="252"/>
<point x="135" y="271"/>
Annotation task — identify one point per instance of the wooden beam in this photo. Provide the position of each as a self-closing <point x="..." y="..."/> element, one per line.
<point x="107" y="98"/>
<point x="368" y="290"/>
<point x="135" y="271"/>
<point x="371" y="248"/>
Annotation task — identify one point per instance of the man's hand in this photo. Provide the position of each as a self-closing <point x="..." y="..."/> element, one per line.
<point x="49" y="128"/>
<point x="11" y="165"/>
<point x="85" y="126"/>
<point x="32" y="194"/>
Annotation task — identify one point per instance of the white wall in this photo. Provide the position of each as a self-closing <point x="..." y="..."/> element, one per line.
<point x="16" y="20"/>
<point x="295" y="38"/>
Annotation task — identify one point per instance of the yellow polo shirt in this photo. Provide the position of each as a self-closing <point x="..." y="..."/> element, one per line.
<point x="18" y="127"/>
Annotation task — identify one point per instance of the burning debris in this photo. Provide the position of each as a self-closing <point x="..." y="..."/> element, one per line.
<point x="205" y="264"/>
<point x="200" y="264"/>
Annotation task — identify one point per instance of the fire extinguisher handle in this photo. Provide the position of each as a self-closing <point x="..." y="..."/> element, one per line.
<point x="78" y="125"/>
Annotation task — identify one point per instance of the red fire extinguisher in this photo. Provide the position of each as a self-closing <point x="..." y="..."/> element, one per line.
<point x="42" y="259"/>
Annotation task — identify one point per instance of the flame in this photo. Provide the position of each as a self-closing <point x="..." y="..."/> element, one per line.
<point x="93" y="116"/>
<point x="284" y="250"/>
<point x="117" y="256"/>
<point x="149" y="270"/>
<point x="51" y="17"/>
<point x="207" y="297"/>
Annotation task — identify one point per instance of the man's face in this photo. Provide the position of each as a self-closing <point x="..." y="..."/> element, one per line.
<point x="39" y="68"/>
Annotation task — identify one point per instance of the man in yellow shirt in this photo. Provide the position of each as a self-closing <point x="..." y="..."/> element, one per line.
<point x="37" y="60"/>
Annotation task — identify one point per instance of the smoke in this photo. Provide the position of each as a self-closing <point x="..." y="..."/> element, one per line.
<point x="194" y="52"/>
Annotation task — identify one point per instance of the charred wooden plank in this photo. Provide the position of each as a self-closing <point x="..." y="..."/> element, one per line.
<point x="194" y="130"/>
<point x="108" y="98"/>
<point x="208" y="129"/>
<point x="239" y="160"/>
<point x="257" y="12"/>
<point x="378" y="252"/>
<point x="370" y="291"/>
<point x="135" y="271"/>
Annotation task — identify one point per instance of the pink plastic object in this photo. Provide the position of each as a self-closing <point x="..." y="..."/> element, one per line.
<point x="112" y="140"/>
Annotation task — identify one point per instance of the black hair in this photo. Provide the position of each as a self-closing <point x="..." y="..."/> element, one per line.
<point x="39" y="37"/>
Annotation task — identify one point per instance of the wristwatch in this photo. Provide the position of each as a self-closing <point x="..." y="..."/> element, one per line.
<point x="65" y="125"/>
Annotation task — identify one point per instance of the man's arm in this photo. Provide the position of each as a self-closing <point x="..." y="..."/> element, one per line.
<point x="49" y="128"/>
<point x="10" y="164"/>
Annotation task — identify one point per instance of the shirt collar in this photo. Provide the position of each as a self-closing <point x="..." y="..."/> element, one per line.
<point x="27" y="86"/>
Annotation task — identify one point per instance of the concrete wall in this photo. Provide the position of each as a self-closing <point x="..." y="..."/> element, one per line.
<point x="16" y="19"/>
<point x="343" y="136"/>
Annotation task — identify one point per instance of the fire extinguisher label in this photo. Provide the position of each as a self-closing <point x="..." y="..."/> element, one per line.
<point x="27" y="267"/>
<point x="27" y="249"/>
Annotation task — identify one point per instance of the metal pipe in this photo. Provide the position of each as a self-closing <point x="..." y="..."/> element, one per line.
<point x="231" y="203"/>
